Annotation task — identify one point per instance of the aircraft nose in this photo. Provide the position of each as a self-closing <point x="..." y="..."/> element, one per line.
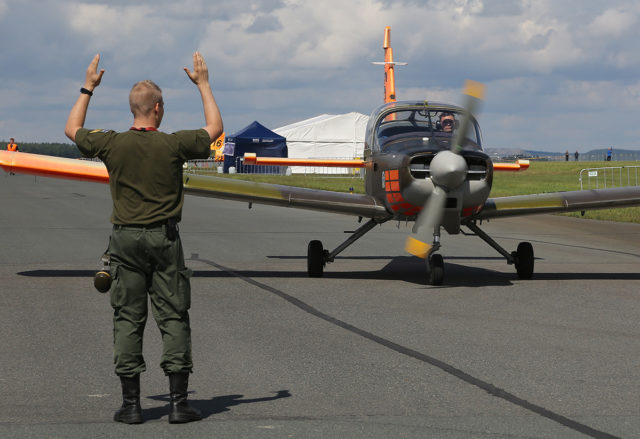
<point x="448" y="170"/>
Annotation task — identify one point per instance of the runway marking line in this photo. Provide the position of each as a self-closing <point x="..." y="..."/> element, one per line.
<point x="445" y="367"/>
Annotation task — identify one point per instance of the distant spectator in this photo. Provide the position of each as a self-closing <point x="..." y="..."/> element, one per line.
<point x="12" y="145"/>
<point x="609" y="152"/>
<point x="566" y="156"/>
<point x="576" y="155"/>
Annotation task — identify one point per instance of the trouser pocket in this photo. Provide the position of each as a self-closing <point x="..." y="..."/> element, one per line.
<point x="184" y="289"/>
<point x="171" y="293"/>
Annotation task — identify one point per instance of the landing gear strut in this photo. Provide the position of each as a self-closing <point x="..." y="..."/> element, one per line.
<point x="522" y="258"/>
<point x="317" y="256"/>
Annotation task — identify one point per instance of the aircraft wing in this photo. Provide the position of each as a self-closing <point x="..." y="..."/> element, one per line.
<point x="573" y="201"/>
<point x="205" y="186"/>
<point x="285" y="196"/>
<point x="58" y="167"/>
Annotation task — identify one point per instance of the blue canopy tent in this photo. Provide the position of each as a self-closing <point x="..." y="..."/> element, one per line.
<point x="257" y="139"/>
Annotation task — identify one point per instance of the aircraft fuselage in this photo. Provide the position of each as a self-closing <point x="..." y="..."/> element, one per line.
<point x="403" y="139"/>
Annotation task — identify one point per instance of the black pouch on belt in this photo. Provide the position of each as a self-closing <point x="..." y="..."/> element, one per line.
<point x="172" y="229"/>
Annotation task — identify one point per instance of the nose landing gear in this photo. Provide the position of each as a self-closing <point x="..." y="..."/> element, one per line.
<point x="435" y="269"/>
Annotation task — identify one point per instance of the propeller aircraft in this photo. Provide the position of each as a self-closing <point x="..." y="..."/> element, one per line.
<point x="423" y="162"/>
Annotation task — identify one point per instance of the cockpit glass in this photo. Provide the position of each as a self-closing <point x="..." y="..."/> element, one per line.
<point x="424" y="128"/>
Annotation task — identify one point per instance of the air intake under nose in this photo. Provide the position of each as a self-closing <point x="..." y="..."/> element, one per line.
<point x="420" y="167"/>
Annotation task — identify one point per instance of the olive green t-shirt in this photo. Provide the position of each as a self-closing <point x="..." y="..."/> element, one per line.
<point x="145" y="169"/>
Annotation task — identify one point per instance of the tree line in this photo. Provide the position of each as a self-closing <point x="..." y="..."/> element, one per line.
<point x="54" y="149"/>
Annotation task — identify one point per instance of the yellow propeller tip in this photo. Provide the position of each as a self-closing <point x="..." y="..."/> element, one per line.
<point x="474" y="89"/>
<point x="417" y="247"/>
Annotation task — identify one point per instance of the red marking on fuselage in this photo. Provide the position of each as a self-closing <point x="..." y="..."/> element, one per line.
<point x="468" y="211"/>
<point x="395" y="200"/>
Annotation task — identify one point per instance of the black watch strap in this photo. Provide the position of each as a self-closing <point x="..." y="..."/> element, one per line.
<point x="86" y="92"/>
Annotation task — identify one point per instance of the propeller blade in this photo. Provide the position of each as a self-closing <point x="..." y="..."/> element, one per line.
<point x="448" y="171"/>
<point x="426" y="223"/>
<point x="474" y="92"/>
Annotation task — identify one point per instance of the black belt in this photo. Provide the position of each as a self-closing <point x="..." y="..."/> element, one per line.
<point x="150" y="226"/>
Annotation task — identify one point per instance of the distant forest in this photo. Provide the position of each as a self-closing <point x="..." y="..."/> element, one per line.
<point x="55" y="149"/>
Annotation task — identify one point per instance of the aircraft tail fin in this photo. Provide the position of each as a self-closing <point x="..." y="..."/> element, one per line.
<point x="389" y="65"/>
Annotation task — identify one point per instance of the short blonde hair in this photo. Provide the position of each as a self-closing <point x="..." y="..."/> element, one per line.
<point x="143" y="97"/>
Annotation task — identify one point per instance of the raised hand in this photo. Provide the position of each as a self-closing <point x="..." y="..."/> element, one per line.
<point x="200" y="73"/>
<point x="93" y="76"/>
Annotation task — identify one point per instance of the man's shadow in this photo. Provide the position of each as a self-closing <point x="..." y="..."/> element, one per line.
<point x="209" y="407"/>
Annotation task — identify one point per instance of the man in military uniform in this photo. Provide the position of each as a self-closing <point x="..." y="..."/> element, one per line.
<point x="145" y="179"/>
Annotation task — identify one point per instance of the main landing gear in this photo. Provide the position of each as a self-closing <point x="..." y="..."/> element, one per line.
<point x="317" y="256"/>
<point x="522" y="258"/>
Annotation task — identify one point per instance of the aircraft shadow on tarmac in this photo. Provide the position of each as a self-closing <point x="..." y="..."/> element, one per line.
<point x="401" y="268"/>
<point x="412" y="269"/>
<point x="209" y="407"/>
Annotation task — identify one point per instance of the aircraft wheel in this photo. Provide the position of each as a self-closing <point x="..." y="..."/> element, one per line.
<point x="524" y="260"/>
<point x="436" y="269"/>
<point x="315" y="259"/>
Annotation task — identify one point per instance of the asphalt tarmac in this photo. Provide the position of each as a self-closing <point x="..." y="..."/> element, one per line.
<point x="367" y="351"/>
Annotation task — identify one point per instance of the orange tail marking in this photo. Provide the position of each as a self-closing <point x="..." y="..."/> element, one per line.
<point x="389" y="75"/>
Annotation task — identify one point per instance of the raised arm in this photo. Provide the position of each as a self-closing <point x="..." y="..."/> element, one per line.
<point x="78" y="113"/>
<point x="200" y="77"/>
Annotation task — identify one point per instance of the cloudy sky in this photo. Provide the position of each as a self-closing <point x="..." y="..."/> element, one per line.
<point x="560" y="74"/>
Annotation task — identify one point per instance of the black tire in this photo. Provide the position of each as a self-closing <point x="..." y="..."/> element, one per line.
<point x="436" y="269"/>
<point x="315" y="259"/>
<point x="524" y="260"/>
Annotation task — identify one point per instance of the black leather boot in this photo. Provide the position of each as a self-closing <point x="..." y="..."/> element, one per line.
<point x="130" y="412"/>
<point x="181" y="411"/>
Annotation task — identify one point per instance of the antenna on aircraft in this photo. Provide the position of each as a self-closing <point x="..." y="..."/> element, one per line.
<point x="389" y="64"/>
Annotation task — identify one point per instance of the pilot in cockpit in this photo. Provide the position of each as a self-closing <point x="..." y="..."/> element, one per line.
<point x="447" y="122"/>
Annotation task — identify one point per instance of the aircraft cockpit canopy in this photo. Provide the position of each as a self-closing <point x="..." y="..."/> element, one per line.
<point x="418" y="129"/>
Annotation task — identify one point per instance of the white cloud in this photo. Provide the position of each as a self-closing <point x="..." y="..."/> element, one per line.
<point x="310" y="35"/>
<point x="596" y="95"/>
<point x="128" y="29"/>
<point x="612" y="22"/>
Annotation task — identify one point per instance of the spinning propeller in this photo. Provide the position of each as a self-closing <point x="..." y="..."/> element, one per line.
<point x="448" y="171"/>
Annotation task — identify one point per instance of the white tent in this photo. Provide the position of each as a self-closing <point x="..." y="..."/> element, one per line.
<point x="338" y="136"/>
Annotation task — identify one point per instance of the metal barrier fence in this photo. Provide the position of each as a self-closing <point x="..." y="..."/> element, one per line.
<point x="614" y="176"/>
<point x="211" y="166"/>
<point x="241" y="168"/>
<point x="207" y="166"/>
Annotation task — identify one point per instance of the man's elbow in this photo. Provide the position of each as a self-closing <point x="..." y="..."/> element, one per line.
<point x="214" y="131"/>
<point x="70" y="132"/>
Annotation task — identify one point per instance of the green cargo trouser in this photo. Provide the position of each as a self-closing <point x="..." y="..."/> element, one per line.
<point x="144" y="260"/>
